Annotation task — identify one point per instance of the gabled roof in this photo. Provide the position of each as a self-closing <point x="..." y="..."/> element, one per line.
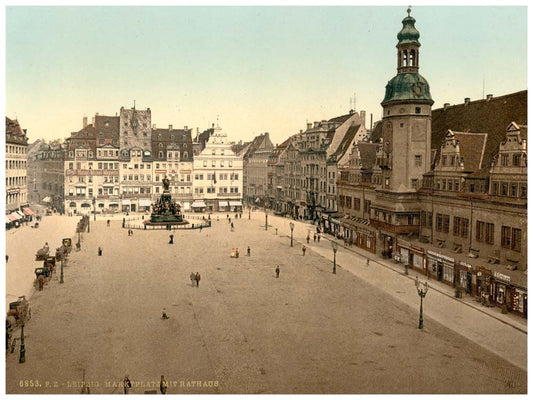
<point x="490" y="116"/>
<point x="346" y="141"/>
<point x="14" y="133"/>
<point x="341" y="119"/>
<point x="472" y="148"/>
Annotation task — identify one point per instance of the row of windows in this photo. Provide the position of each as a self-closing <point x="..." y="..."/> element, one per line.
<point x="10" y="149"/>
<point x="16" y="164"/>
<point x="507" y="189"/>
<point x="136" y="177"/>
<point x="220" y="190"/>
<point x="138" y="166"/>
<point x="211" y="177"/>
<point x="16" y="181"/>
<point x="107" y="153"/>
<point x="515" y="160"/>
<point x="213" y="163"/>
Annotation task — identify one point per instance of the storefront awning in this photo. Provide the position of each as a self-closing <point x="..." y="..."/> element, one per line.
<point x="186" y="206"/>
<point x="19" y="214"/>
<point x="126" y="202"/>
<point x="235" y="203"/>
<point x="113" y="204"/>
<point x="46" y="199"/>
<point x="100" y="204"/>
<point x="222" y="203"/>
<point x="144" y="202"/>
<point x="198" y="204"/>
<point x="27" y="211"/>
<point x="85" y="205"/>
<point x="11" y="217"/>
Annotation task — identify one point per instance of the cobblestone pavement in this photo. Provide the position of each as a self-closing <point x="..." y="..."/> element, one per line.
<point x="245" y="331"/>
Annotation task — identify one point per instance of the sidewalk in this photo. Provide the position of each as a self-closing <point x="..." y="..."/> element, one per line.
<point x="502" y="334"/>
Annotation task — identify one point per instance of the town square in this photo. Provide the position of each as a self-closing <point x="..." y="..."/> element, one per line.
<point x="266" y="200"/>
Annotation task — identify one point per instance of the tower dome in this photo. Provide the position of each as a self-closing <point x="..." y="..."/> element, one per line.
<point x="409" y="33"/>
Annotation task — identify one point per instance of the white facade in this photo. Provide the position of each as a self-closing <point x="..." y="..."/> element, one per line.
<point x="218" y="174"/>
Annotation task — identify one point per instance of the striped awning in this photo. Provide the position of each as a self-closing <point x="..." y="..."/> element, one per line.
<point x="27" y="211"/>
<point x="235" y="203"/>
<point x="11" y="217"/>
<point x="222" y="203"/>
<point x="19" y="214"/>
<point x="198" y="204"/>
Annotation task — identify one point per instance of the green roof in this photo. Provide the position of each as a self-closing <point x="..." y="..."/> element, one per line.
<point x="408" y="87"/>
<point x="408" y="34"/>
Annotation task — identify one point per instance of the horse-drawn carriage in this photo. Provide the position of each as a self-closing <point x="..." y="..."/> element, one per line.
<point x="42" y="253"/>
<point x="19" y="313"/>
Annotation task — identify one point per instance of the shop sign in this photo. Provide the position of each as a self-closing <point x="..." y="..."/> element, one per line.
<point x="440" y="256"/>
<point x="465" y="264"/>
<point x="502" y="277"/>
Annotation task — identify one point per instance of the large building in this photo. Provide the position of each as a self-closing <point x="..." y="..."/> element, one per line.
<point x="255" y="159"/>
<point x="218" y="175"/>
<point x="444" y="191"/>
<point x="16" y="167"/>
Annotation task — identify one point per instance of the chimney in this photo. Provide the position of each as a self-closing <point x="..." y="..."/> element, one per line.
<point x="84" y="122"/>
<point x="186" y="128"/>
<point x="371" y="121"/>
<point x="489" y="97"/>
<point x="309" y="125"/>
<point x="197" y="130"/>
<point x="316" y="124"/>
<point x="467" y="100"/>
<point x="170" y="127"/>
<point x="362" y="114"/>
<point x="154" y="126"/>
<point x="446" y="105"/>
<point x="301" y="131"/>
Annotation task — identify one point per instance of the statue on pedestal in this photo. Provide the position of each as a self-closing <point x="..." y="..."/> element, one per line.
<point x="166" y="184"/>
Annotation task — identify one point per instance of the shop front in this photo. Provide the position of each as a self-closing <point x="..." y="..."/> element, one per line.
<point x="235" y="206"/>
<point x="465" y="278"/>
<point x="223" y="206"/>
<point x="519" y="301"/>
<point x="411" y="255"/>
<point x="440" y="267"/>
<point x="144" y="204"/>
<point x="484" y="289"/>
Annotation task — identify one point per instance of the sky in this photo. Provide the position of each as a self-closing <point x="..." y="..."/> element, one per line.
<point x="253" y="69"/>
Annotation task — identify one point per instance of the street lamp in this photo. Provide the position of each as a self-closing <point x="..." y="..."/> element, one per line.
<point x="22" y="356"/>
<point x="249" y="210"/>
<point x="334" y="246"/>
<point x="94" y="207"/>
<point x="61" y="276"/>
<point x="292" y="229"/>
<point x="422" y="290"/>
<point x="266" y="219"/>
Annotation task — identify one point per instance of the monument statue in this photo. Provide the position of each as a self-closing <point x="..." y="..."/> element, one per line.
<point x="166" y="183"/>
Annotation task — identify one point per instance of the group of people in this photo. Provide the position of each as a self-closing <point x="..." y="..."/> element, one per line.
<point x="130" y="232"/>
<point x="316" y="237"/>
<point x="195" y="279"/>
<point x="234" y="253"/>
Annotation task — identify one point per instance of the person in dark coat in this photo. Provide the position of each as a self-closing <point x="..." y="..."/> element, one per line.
<point x="171" y="239"/>
<point x="277" y="271"/>
<point x="303" y="250"/>
<point x="198" y="277"/>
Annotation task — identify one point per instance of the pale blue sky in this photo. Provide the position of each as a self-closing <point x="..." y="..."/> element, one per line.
<point x="258" y="68"/>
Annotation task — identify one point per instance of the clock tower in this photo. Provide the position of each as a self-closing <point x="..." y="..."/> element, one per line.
<point x="406" y="117"/>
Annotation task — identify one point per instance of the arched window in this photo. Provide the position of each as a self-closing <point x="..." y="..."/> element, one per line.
<point x="160" y="154"/>
<point x="160" y="145"/>
<point x="404" y="58"/>
<point x="185" y="156"/>
<point x="412" y="58"/>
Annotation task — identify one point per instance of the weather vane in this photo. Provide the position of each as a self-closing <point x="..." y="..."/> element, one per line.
<point x="409" y="11"/>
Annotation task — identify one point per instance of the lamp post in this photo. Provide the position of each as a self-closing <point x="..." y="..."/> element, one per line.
<point x="22" y="356"/>
<point x="291" y="224"/>
<point x="266" y="219"/>
<point x="249" y="210"/>
<point x="61" y="276"/>
<point x="422" y="290"/>
<point x="334" y="246"/>
<point x="94" y="207"/>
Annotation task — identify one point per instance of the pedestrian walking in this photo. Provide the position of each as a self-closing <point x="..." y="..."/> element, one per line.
<point x="303" y="250"/>
<point x="276" y="231"/>
<point x="163" y="385"/>
<point x="40" y="281"/>
<point x="248" y="251"/>
<point x="314" y="238"/>
<point x="318" y="238"/>
<point x="127" y="384"/>
<point x="193" y="278"/>
<point x="367" y="262"/>
<point x="307" y="238"/>
<point x="123" y="222"/>
<point x="99" y="251"/>
<point x="108" y="222"/>
<point x="171" y="239"/>
<point x="198" y="277"/>
<point x="277" y="271"/>
<point x="236" y="253"/>
<point x="7" y="258"/>
<point x="164" y="314"/>
<point x="201" y="226"/>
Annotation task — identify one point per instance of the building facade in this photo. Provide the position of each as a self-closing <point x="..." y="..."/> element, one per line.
<point x="255" y="179"/>
<point x="16" y="166"/>
<point x="218" y="173"/>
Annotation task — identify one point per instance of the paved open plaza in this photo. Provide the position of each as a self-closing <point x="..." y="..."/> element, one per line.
<point x="242" y="330"/>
